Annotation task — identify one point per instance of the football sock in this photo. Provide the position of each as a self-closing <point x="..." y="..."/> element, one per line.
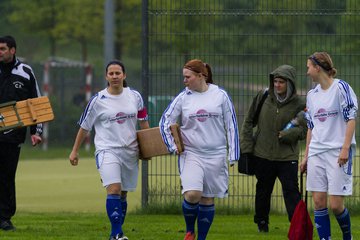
<point x="190" y="211"/>
<point x="123" y="209"/>
<point x="205" y="219"/>
<point x="322" y="223"/>
<point x="345" y="224"/>
<point x="113" y="208"/>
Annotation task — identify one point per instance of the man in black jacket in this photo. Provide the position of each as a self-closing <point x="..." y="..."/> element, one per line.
<point x="17" y="83"/>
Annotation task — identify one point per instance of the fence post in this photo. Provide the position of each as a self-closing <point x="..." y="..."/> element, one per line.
<point x="46" y="78"/>
<point x="145" y="93"/>
<point x="88" y="70"/>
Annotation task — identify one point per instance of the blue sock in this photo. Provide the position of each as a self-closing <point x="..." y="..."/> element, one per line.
<point x="345" y="224"/>
<point x="190" y="211"/>
<point x="123" y="209"/>
<point x="322" y="223"/>
<point x="205" y="219"/>
<point x="113" y="208"/>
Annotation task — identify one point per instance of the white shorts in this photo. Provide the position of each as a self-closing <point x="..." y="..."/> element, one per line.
<point x="325" y="175"/>
<point x="119" y="165"/>
<point x="208" y="175"/>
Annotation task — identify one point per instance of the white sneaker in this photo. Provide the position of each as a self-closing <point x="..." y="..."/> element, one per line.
<point x="117" y="237"/>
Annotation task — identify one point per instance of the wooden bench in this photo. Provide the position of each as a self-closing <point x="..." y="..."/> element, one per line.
<point x="25" y="113"/>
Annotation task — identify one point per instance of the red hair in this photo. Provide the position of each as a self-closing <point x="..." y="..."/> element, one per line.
<point x="198" y="66"/>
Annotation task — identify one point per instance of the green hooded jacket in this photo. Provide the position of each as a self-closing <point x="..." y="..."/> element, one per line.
<point x="262" y="138"/>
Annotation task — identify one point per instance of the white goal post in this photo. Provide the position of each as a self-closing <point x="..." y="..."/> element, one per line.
<point x="57" y="62"/>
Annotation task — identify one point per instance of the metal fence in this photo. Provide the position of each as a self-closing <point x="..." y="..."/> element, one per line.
<point x="65" y="82"/>
<point x="243" y="41"/>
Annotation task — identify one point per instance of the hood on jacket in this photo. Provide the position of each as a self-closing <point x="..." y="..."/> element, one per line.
<point x="286" y="72"/>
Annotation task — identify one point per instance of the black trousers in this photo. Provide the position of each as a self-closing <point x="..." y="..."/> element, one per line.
<point x="9" y="158"/>
<point x="266" y="174"/>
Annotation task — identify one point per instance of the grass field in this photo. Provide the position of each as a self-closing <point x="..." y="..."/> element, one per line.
<point x="94" y="226"/>
<point x="139" y="227"/>
<point x="54" y="185"/>
<point x="58" y="201"/>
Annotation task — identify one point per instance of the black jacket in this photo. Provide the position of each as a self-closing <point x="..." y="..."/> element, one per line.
<point x="17" y="83"/>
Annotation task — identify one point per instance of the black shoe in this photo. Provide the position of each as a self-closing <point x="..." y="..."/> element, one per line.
<point x="263" y="227"/>
<point x="7" y="225"/>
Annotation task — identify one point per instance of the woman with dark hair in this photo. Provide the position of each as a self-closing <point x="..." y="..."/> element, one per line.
<point x="209" y="131"/>
<point x="266" y="140"/>
<point x="330" y="144"/>
<point x="114" y="113"/>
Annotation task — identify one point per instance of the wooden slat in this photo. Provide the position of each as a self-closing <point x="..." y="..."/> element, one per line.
<point x="26" y="117"/>
<point x="10" y="113"/>
<point x="31" y="110"/>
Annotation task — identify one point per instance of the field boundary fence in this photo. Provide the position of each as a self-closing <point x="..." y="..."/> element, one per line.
<point x="243" y="41"/>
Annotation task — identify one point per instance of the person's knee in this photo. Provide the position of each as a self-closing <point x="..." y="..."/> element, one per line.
<point x="320" y="200"/>
<point x="336" y="204"/>
<point x="114" y="189"/>
<point x="192" y="196"/>
<point x="337" y="208"/>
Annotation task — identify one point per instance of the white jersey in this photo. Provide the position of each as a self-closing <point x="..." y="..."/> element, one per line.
<point x="327" y="113"/>
<point x="114" y="118"/>
<point x="208" y="123"/>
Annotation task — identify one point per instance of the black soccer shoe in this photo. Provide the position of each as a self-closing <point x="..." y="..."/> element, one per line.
<point x="7" y="225"/>
<point x="263" y="227"/>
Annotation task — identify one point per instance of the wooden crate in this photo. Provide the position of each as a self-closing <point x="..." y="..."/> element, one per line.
<point x="151" y="143"/>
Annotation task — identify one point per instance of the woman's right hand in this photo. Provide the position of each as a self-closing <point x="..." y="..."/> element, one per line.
<point x="74" y="158"/>
<point x="303" y="165"/>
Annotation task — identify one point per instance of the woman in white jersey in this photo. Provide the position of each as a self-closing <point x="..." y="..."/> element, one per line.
<point x="330" y="144"/>
<point x="114" y="113"/>
<point x="210" y="134"/>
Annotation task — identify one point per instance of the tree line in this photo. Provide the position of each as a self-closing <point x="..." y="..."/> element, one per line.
<point x="80" y="23"/>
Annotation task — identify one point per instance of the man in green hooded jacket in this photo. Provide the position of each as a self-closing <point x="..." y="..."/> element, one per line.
<point x="273" y="143"/>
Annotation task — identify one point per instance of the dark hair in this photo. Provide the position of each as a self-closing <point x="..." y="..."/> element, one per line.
<point x="117" y="62"/>
<point x="323" y="60"/>
<point x="198" y="66"/>
<point x="9" y="40"/>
